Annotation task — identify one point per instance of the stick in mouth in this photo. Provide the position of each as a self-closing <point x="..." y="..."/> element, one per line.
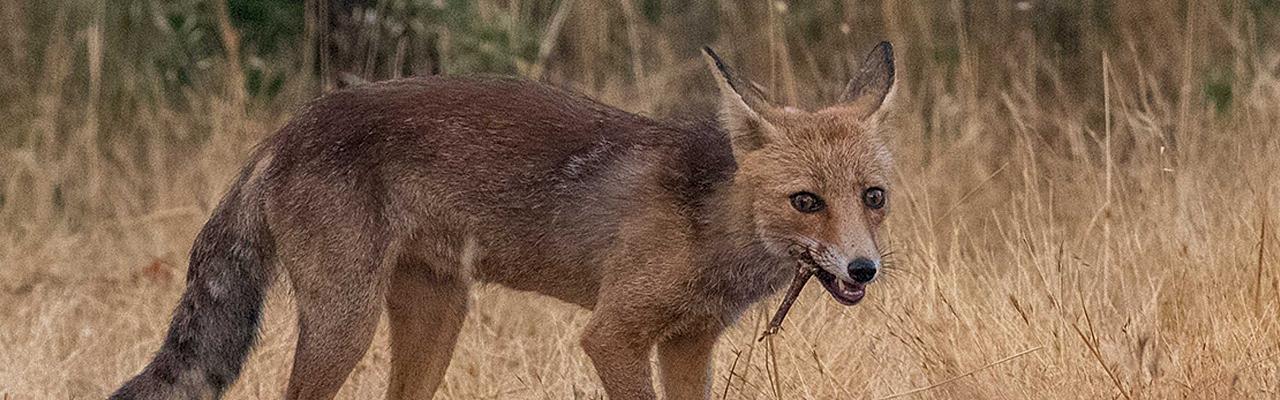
<point x="805" y="269"/>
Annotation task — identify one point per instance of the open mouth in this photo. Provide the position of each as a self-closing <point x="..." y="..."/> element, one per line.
<point x="846" y="293"/>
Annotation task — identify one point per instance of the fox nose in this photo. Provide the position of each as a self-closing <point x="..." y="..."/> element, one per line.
<point x="862" y="270"/>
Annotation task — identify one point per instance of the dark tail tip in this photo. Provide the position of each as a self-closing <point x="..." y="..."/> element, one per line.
<point x="216" y="322"/>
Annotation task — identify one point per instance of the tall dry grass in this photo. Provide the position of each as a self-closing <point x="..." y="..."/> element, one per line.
<point x="1087" y="205"/>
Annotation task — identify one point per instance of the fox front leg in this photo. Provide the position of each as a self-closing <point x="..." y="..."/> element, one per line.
<point x="619" y="350"/>
<point x="684" y="360"/>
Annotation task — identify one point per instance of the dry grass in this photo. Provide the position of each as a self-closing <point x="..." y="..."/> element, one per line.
<point x="1082" y="224"/>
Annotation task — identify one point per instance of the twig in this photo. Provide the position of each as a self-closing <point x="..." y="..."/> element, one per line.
<point x="633" y="40"/>
<point x="1093" y="350"/>
<point x="1262" y="251"/>
<point x="804" y="271"/>
<point x="1091" y="342"/>
<point x="751" y="352"/>
<point x="958" y="377"/>
<point x="774" y="375"/>
<point x="551" y="36"/>
<point x="971" y="192"/>
<point x="1218" y="379"/>
<point x="728" y="380"/>
<point x="231" y="42"/>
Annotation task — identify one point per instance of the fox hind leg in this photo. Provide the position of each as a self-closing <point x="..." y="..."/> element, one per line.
<point x="426" y="310"/>
<point x="338" y="296"/>
<point x="328" y="348"/>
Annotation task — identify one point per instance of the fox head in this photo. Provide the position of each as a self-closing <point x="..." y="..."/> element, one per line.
<point x="816" y="183"/>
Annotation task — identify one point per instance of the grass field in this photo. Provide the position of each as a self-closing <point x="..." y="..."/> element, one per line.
<point x="1088" y="205"/>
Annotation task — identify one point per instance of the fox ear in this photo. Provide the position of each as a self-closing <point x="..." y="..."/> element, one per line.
<point x="741" y="105"/>
<point x="872" y="83"/>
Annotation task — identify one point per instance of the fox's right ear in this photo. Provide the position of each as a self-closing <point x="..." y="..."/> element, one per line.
<point x="741" y="105"/>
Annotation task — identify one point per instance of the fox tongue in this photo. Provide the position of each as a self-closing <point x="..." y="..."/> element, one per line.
<point x="850" y="291"/>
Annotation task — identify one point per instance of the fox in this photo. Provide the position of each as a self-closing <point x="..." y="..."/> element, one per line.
<point x="399" y="197"/>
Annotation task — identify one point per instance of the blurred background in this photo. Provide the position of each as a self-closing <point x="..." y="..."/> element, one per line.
<point x="1088" y="199"/>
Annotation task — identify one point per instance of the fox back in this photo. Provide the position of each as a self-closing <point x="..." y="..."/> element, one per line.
<point x="536" y="181"/>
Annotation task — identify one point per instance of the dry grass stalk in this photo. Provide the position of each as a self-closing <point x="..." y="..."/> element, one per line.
<point x="962" y="376"/>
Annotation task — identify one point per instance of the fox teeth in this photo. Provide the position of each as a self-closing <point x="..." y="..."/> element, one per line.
<point x="840" y="284"/>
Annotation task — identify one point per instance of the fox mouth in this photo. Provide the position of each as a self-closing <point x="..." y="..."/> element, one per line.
<point x="847" y="293"/>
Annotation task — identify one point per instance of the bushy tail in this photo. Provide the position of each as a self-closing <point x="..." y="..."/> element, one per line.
<point x="216" y="322"/>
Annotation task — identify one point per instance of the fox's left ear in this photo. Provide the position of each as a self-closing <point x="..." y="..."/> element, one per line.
<point x="873" y="82"/>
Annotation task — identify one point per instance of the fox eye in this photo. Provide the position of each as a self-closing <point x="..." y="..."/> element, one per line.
<point x="873" y="198"/>
<point x="806" y="202"/>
